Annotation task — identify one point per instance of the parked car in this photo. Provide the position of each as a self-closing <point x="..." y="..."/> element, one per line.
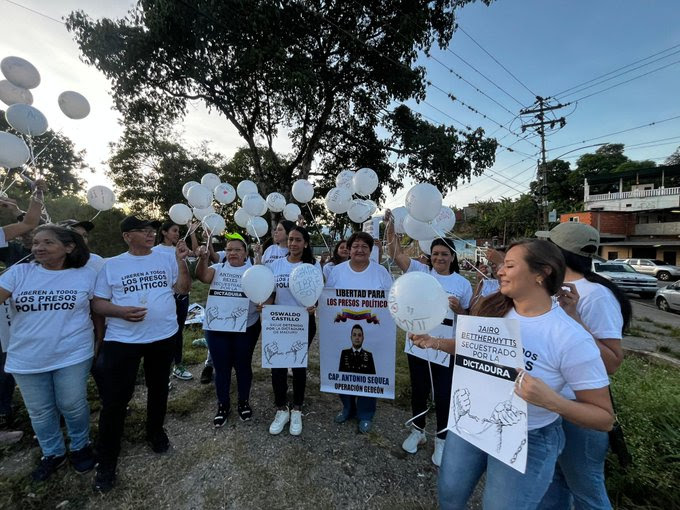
<point x="626" y="278"/>
<point x="668" y="298"/>
<point x="662" y="270"/>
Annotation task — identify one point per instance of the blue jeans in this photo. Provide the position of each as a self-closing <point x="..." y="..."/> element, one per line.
<point x="463" y="465"/>
<point x="579" y="475"/>
<point x="361" y="407"/>
<point x="48" y="395"/>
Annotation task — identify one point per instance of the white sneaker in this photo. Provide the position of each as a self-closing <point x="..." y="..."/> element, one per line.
<point x="181" y="373"/>
<point x="295" y="423"/>
<point x="280" y="420"/>
<point x="438" y="451"/>
<point x="414" y="440"/>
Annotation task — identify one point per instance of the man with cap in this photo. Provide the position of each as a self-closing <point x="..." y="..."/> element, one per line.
<point x="135" y="291"/>
<point x="83" y="228"/>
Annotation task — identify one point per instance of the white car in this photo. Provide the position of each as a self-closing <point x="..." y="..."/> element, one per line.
<point x="668" y="298"/>
<point x="662" y="270"/>
<point x="627" y="278"/>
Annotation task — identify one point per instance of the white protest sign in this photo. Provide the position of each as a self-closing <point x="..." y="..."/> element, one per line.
<point x="484" y="409"/>
<point x="356" y="343"/>
<point x="284" y="336"/>
<point x="444" y="330"/>
<point x="372" y="226"/>
<point x="226" y="308"/>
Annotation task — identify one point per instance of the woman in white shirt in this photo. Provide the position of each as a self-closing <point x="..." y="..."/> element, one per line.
<point x="557" y="352"/>
<point x="340" y="255"/>
<point x="52" y="344"/>
<point x="487" y="286"/>
<point x="279" y="246"/>
<point x="299" y="252"/>
<point x="443" y="265"/>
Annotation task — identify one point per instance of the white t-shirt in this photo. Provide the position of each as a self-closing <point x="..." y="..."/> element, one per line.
<point x="228" y="278"/>
<point x="274" y="252"/>
<point x="599" y="311"/>
<point x="146" y="280"/>
<point x="50" y="317"/>
<point x="489" y="287"/>
<point x="558" y="351"/>
<point x="454" y="284"/>
<point x="375" y="253"/>
<point x="327" y="270"/>
<point x="95" y="262"/>
<point x="3" y="241"/>
<point x="282" y="269"/>
<point x="164" y="248"/>
<point x="374" y="276"/>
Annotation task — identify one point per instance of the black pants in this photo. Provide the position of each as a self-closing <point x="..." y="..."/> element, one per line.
<point x="421" y="389"/>
<point x="182" y="308"/>
<point x="117" y="367"/>
<point x="6" y="388"/>
<point x="280" y="377"/>
<point x="233" y="350"/>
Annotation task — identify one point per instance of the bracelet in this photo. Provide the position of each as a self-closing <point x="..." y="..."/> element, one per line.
<point x="439" y="341"/>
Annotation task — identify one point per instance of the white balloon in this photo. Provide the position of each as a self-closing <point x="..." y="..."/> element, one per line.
<point x="73" y="105"/>
<point x="359" y="210"/>
<point x="303" y="191"/>
<point x="418" y="230"/>
<point x="306" y="283"/>
<point x="344" y="180"/>
<point x="399" y="214"/>
<point x="241" y="217"/>
<point x="423" y="201"/>
<point x="199" y="196"/>
<point x="11" y="94"/>
<point x="187" y="186"/>
<point x="214" y="224"/>
<point x="210" y="181"/>
<point x="338" y="200"/>
<point x="365" y="182"/>
<point x="444" y="221"/>
<point x="101" y="198"/>
<point x="224" y="193"/>
<point x="180" y="214"/>
<point x="425" y="246"/>
<point x="372" y="206"/>
<point x="26" y="119"/>
<point x="244" y="187"/>
<point x="417" y="302"/>
<point x="257" y="226"/>
<point x="199" y="213"/>
<point x="291" y="212"/>
<point x="13" y="150"/>
<point x="254" y="204"/>
<point x="258" y="283"/>
<point x="276" y="202"/>
<point x="20" y="72"/>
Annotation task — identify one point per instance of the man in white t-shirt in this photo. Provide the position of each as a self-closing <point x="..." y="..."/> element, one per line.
<point x="135" y="290"/>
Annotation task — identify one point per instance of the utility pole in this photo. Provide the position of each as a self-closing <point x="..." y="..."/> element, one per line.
<point x="538" y="112"/>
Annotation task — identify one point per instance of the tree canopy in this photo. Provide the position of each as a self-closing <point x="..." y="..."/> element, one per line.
<point x="324" y="74"/>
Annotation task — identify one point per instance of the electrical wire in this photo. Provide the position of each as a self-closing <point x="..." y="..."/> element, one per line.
<point x="35" y="12"/>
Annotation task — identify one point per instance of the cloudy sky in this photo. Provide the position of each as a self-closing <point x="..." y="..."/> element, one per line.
<point x="549" y="47"/>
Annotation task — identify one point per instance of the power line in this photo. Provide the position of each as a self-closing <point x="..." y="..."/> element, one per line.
<point x="495" y="60"/>
<point x="616" y="70"/>
<point x="35" y="12"/>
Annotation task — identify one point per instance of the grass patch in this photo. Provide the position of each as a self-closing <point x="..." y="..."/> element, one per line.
<point x="638" y="332"/>
<point x="647" y="399"/>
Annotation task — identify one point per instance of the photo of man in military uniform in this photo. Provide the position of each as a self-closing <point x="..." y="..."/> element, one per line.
<point x="356" y="359"/>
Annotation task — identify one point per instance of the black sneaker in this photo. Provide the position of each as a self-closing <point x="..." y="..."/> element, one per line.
<point x="47" y="466"/>
<point x="244" y="410"/>
<point x="221" y="416"/>
<point x="158" y="441"/>
<point x="104" y="478"/>
<point x="207" y="374"/>
<point x="83" y="460"/>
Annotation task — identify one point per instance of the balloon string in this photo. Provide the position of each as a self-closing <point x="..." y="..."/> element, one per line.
<point x="429" y="408"/>
<point x="317" y="227"/>
<point x="250" y="222"/>
<point x="95" y="216"/>
<point x="47" y="145"/>
<point x="189" y="231"/>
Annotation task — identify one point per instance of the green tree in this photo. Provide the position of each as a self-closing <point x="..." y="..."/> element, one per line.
<point x="565" y="187"/>
<point x="634" y="165"/>
<point x="673" y="159"/>
<point x="57" y="161"/>
<point x="507" y="219"/>
<point x="322" y="73"/>
<point x="603" y="161"/>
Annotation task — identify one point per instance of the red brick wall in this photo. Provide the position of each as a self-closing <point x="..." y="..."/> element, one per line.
<point x="605" y="222"/>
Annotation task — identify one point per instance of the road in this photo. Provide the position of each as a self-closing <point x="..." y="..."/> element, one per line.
<point x="647" y="308"/>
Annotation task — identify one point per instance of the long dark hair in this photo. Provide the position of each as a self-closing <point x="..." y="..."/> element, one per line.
<point x="165" y="226"/>
<point x="542" y="257"/>
<point x="448" y="243"/>
<point x="307" y="256"/>
<point x="335" y="259"/>
<point x="584" y="265"/>
<point x="80" y="253"/>
<point x="286" y="224"/>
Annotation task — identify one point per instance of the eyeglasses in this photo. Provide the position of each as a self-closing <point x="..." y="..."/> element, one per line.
<point x="145" y="231"/>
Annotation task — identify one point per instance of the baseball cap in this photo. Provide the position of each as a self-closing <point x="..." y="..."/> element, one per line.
<point x="574" y="237"/>
<point x="133" y="223"/>
<point x="87" y="225"/>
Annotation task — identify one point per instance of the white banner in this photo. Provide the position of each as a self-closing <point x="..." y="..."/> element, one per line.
<point x="284" y="336"/>
<point x="484" y="409"/>
<point x="226" y="308"/>
<point x="432" y="355"/>
<point x="357" y="339"/>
